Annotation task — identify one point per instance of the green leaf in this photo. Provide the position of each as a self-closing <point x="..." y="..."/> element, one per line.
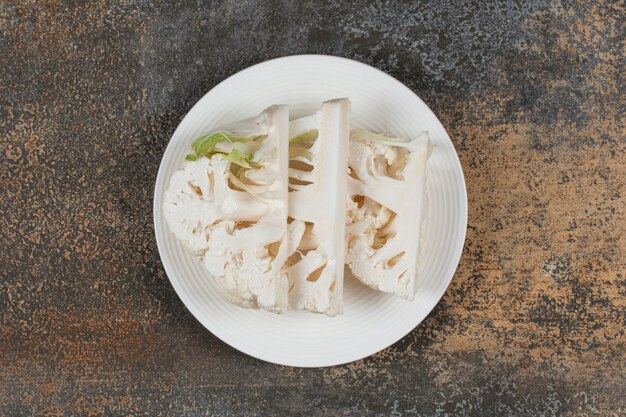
<point x="306" y="136"/>
<point x="247" y="138"/>
<point x="205" y="145"/>
<point x="239" y="158"/>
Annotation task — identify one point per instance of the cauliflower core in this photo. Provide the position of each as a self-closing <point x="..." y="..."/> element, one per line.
<point x="386" y="203"/>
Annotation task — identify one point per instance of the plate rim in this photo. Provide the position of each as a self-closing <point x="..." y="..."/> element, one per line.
<point x="159" y="189"/>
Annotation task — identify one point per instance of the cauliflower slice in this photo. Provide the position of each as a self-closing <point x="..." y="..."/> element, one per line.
<point x="229" y="206"/>
<point x="386" y="204"/>
<point x="318" y="158"/>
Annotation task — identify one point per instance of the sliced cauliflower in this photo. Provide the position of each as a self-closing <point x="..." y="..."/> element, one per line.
<point x="229" y="206"/>
<point x="200" y="195"/>
<point x="318" y="158"/>
<point x="386" y="204"/>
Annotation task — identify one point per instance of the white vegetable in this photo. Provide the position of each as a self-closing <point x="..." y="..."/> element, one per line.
<point x="317" y="203"/>
<point x="263" y="203"/>
<point x="385" y="210"/>
<point x="229" y="205"/>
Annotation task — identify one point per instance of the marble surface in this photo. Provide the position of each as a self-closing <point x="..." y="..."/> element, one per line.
<point x="533" y="96"/>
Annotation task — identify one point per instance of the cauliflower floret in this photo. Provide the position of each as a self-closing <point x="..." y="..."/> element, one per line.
<point x="318" y="186"/>
<point x="385" y="210"/>
<point x="199" y="194"/>
<point x="229" y="206"/>
<point x="244" y="273"/>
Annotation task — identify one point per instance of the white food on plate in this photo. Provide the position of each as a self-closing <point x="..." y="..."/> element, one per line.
<point x="275" y="208"/>
<point x="386" y="204"/>
<point x="234" y="214"/>
<point x="317" y="201"/>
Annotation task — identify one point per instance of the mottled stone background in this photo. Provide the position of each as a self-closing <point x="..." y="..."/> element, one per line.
<point x="533" y="97"/>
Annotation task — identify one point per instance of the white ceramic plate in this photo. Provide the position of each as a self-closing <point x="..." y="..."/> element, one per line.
<point x="371" y="321"/>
